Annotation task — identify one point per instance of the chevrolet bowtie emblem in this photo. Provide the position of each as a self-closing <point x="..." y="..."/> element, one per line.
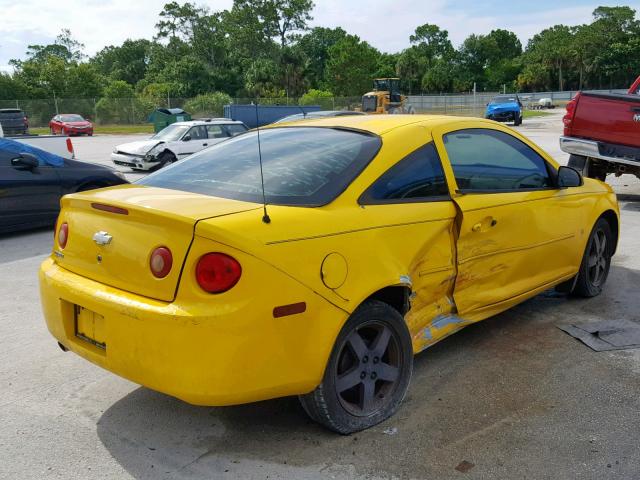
<point x="102" y="238"/>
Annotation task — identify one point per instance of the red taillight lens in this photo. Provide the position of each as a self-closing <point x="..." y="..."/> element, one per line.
<point x="160" y="262"/>
<point x="571" y="110"/>
<point x="63" y="235"/>
<point x="217" y="272"/>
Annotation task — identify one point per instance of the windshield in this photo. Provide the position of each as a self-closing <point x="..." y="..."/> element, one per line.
<point x="381" y="85"/>
<point x="171" y="133"/>
<point x="71" y="118"/>
<point x="301" y="166"/>
<point x="504" y="99"/>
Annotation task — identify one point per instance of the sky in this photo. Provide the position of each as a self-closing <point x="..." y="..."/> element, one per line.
<point x="386" y="24"/>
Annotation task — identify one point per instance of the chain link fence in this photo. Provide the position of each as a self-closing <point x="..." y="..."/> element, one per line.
<point x="135" y="111"/>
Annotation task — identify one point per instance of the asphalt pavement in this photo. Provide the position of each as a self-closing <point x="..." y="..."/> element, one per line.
<point x="510" y="397"/>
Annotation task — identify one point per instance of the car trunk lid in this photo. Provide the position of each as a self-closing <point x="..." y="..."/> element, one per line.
<point x="113" y="232"/>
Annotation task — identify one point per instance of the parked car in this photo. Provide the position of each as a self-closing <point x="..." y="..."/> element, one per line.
<point x="505" y="108"/>
<point x="601" y="133"/>
<point x="70" y="124"/>
<point x="176" y="141"/>
<point x="32" y="182"/>
<point x="318" y="114"/>
<point x="378" y="237"/>
<point x="14" y="121"/>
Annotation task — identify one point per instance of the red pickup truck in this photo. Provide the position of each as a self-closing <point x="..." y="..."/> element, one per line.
<point x="602" y="133"/>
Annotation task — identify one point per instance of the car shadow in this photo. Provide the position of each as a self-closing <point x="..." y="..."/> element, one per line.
<point x="468" y="382"/>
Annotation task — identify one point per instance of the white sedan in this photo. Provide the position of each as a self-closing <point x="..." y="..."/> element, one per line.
<point x="176" y="141"/>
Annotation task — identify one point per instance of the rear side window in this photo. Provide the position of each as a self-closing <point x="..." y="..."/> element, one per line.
<point x="490" y="160"/>
<point x="198" y="133"/>
<point x="416" y="178"/>
<point x="234" y="129"/>
<point x="301" y="166"/>
<point x="215" y="131"/>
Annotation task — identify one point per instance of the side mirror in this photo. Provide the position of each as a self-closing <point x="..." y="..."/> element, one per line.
<point x="568" y="177"/>
<point x="186" y="138"/>
<point x="25" y="160"/>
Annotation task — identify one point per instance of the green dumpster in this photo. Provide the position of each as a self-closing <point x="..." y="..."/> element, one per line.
<point x="163" y="117"/>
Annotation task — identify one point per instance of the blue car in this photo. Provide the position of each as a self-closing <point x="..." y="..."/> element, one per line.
<point x="505" y="108"/>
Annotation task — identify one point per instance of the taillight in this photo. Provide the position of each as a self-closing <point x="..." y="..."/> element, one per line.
<point x="160" y="262"/>
<point x="26" y="121"/>
<point x="571" y="111"/>
<point x="217" y="272"/>
<point x="70" y="147"/>
<point x="63" y="235"/>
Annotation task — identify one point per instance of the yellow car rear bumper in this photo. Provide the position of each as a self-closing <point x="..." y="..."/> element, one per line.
<point x="205" y="354"/>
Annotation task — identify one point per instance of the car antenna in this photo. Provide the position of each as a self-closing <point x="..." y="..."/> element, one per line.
<point x="265" y="217"/>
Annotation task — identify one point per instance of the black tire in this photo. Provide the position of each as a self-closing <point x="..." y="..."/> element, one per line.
<point x="166" y="158"/>
<point x="586" y="167"/>
<point x="373" y="383"/>
<point x="596" y="261"/>
<point x="517" y="121"/>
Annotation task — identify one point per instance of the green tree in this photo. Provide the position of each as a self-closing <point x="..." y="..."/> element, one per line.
<point x="128" y="62"/>
<point x="351" y="66"/>
<point x="432" y="42"/>
<point x="315" y="47"/>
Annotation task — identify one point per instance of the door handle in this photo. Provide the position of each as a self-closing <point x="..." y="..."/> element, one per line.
<point x="635" y="109"/>
<point x="205" y="144"/>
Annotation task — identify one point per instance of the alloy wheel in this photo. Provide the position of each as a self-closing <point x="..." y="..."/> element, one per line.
<point x="368" y="369"/>
<point x="597" y="263"/>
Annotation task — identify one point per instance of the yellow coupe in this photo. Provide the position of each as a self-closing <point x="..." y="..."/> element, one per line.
<point x="379" y="237"/>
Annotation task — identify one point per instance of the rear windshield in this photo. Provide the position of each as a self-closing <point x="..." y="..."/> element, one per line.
<point x="7" y="113"/>
<point x="301" y="166"/>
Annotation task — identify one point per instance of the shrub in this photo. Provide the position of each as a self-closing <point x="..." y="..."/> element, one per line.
<point x="318" y="97"/>
<point x="207" y="104"/>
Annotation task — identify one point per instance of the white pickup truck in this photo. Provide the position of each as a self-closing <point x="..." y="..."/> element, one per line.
<point x="61" y="146"/>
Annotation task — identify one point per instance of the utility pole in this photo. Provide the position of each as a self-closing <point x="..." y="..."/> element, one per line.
<point x="474" y="98"/>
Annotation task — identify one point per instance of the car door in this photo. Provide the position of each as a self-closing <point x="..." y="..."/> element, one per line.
<point x="416" y="188"/>
<point x="518" y="232"/>
<point x="193" y="140"/>
<point x="27" y="196"/>
<point x="216" y="134"/>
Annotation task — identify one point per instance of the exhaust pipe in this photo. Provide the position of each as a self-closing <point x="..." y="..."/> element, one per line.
<point x="62" y="347"/>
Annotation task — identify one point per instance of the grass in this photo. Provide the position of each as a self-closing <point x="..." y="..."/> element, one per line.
<point x="535" y="113"/>
<point x="106" y="129"/>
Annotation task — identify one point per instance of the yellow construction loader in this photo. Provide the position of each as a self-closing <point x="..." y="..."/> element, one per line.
<point x="386" y="98"/>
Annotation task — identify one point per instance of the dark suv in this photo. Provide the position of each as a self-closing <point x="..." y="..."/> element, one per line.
<point x="14" y="121"/>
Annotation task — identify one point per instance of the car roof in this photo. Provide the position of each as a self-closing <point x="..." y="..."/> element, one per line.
<point x="213" y="121"/>
<point x="378" y="124"/>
